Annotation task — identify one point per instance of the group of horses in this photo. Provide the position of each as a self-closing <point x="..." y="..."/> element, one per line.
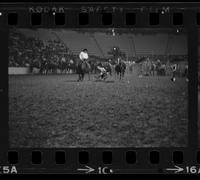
<point x="47" y="66"/>
<point x="83" y="67"/>
<point x="152" y="69"/>
<point x="157" y="68"/>
<point x="79" y="67"/>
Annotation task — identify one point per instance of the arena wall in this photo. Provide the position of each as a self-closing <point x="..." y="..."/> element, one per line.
<point x="26" y="70"/>
<point x="18" y="70"/>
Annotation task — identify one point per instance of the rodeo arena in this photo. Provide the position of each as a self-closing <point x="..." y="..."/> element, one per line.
<point x="98" y="88"/>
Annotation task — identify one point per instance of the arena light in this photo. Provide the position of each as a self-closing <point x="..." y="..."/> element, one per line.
<point x="0" y="13"/>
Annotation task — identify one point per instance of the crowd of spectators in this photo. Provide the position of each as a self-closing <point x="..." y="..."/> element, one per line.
<point x="25" y="51"/>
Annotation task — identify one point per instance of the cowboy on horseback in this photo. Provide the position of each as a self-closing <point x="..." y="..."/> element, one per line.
<point x="83" y="55"/>
<point x="83" y="65"/>
<point x="120" y="67"/>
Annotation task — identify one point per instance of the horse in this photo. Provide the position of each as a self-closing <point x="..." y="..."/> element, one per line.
<point x="51" y="67"/>
<point x="120" y="69"/>
<point x="62" y="65"/>
<point x="82" y="68"/>
<point x="153" y="69"/>
<point x="93" y="67"/>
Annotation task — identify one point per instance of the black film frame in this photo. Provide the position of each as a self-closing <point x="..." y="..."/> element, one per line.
<point x="71" y="11"/>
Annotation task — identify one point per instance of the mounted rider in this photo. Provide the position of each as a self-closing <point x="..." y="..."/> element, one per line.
<point x="84" y="55"/>
<point x="82" y="65"/>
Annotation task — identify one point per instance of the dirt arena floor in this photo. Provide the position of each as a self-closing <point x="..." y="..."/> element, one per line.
<point x="57" y="111"/>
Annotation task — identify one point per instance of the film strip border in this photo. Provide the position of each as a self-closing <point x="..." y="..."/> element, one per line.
<point x="104" y="161"/>
<point x="105" y="19"/>
<point x="98" y="15"/>
<point x="97" y="160"/>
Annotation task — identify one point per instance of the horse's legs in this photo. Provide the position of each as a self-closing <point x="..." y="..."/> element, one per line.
<point x="79" y="77"/>
<point x="116" y="75"/>
<point x="122" y="74"/>
<point x="82" y="76"/>
<point x="89" y="75"/>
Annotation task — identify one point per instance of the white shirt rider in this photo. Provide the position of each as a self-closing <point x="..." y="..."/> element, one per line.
<point x="83" y="55"/>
